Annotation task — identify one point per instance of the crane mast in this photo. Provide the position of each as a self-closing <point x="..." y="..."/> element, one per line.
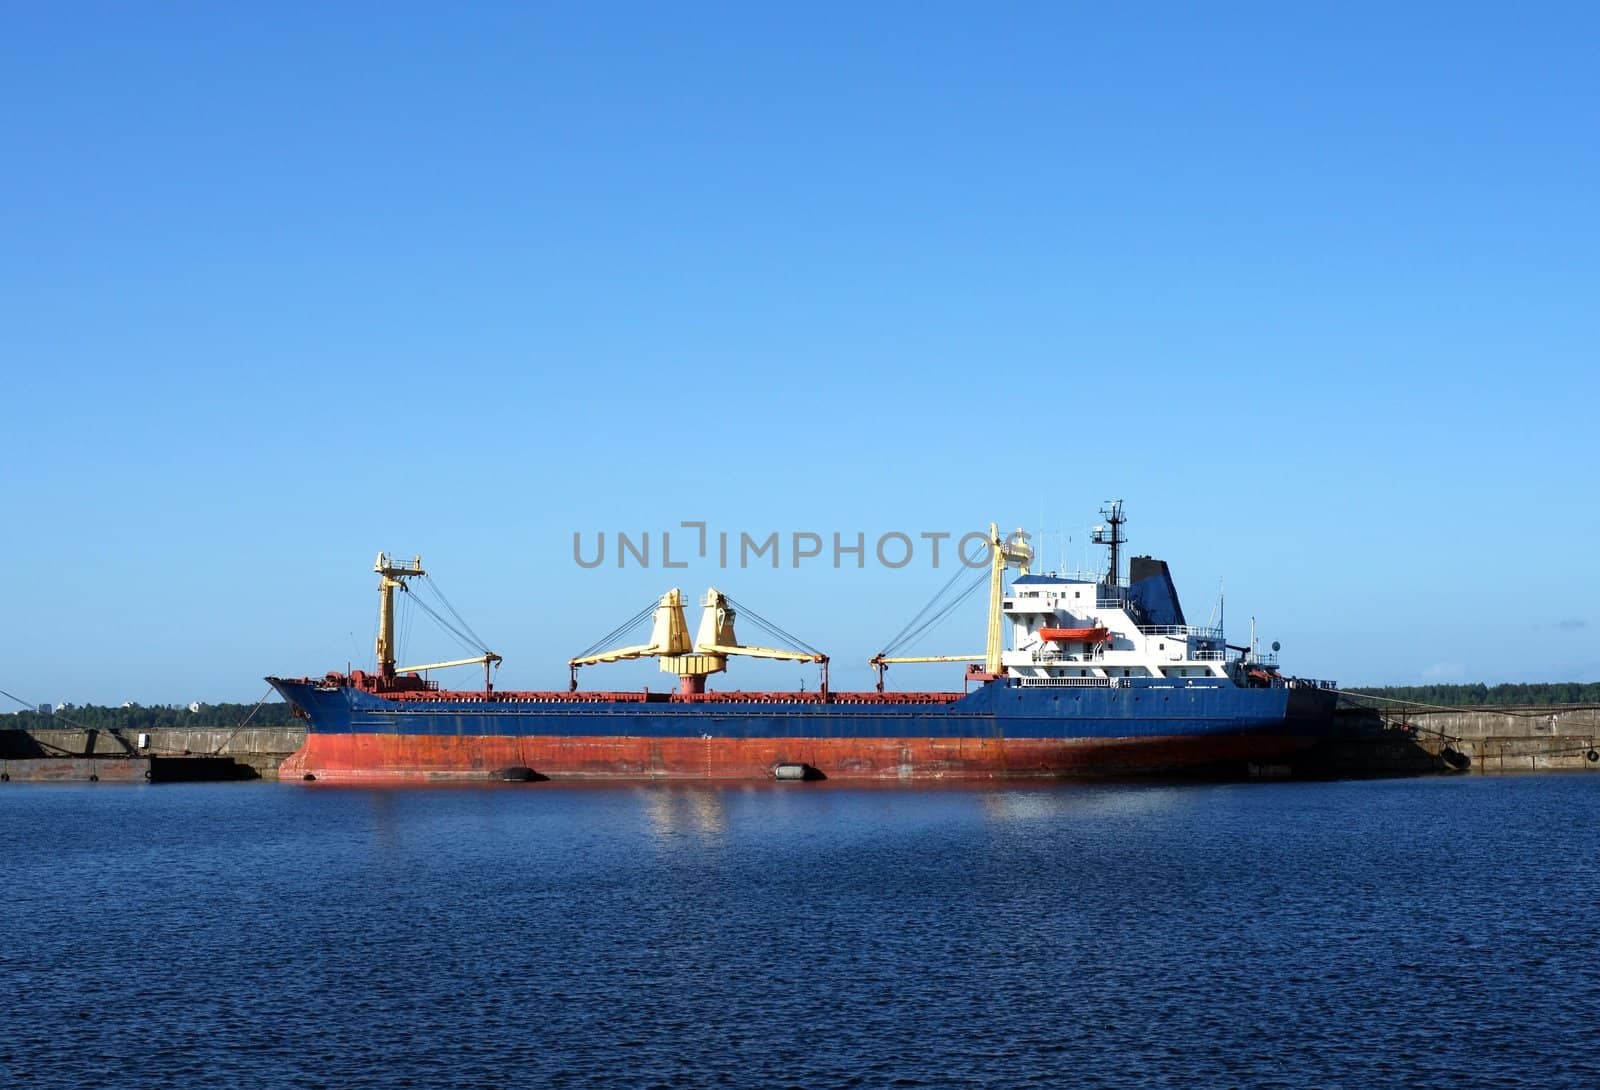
<point x="392" y="574"/>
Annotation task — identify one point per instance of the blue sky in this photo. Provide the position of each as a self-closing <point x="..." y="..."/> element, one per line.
<point x="1314" y="290"/>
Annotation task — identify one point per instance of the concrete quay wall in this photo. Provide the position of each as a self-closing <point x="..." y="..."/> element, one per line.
<point x="1509" y="739"/>
<point x="262" y="749"/>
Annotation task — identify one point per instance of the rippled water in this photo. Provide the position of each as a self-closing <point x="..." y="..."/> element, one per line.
<point x="1422" y="932"/>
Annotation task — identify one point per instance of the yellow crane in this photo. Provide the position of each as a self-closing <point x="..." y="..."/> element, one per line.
<point x="695" y="660"/>
<point x="393" y="574"/>
<point x="1004" y="552"/>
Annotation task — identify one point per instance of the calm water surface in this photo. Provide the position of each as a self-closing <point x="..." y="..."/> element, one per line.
<point x="1441" y="932"/>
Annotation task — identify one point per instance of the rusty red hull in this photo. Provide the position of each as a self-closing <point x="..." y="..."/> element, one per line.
<point x="412" y="758"/>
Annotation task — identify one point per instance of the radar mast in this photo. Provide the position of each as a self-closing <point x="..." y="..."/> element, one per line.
<point x="1110" y="534"/>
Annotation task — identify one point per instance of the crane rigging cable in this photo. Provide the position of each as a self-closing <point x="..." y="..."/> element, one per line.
<point x="470" y="643"/>
<point x="939" y="617"/>
<point x="432" y="586"/>
<point x="769" y="628"/>
<point x="938" y="607"/>
<point x="615" y="636"/>
<point x="403" y="618"/>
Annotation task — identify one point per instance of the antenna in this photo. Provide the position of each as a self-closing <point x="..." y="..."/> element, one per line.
<point x="1111" y="535"/>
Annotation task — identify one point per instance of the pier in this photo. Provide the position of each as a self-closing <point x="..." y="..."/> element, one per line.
<point x="1400" y="739"/>
<point x="1528" y="739"/>
<point x="157" y="755"/>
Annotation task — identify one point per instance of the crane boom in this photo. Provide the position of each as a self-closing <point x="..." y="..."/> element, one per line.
<point x="485" y="659"/>
<point x="759" y="652"/>
<point x="695" y="660"/>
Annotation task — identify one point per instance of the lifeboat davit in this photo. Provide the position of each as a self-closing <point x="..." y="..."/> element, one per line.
<point x="1096" y="634"/>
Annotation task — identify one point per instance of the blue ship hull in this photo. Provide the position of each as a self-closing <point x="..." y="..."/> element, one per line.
<point x="1141" y="726"/>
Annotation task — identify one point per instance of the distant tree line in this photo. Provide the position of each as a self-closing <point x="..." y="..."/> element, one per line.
<point x="147" y="717"/>
<point x="1480" y="695"/>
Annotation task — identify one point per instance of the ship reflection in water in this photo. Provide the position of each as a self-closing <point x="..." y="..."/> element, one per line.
<point x="674" y="813"/>
<point x="1076" y="801"/>
<point x="677" y="814"/>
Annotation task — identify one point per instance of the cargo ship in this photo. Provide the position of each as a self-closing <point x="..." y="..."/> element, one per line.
<point x="1102" y="676"/>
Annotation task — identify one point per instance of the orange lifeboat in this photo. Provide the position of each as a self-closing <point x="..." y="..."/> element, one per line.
<point x="1074" y="635"/>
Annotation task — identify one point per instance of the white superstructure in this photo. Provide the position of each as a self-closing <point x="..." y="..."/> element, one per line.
<point x="1068" y="627"/>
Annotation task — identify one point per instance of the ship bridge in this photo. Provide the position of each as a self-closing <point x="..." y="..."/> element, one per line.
<point x="1090" y="629"/>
